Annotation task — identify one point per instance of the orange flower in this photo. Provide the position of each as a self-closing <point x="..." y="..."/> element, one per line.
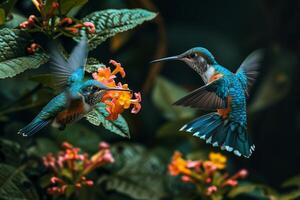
<point x="117" y="101"/>
<point x="178" y="165"/>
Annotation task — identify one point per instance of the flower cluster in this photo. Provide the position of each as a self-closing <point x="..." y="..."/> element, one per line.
<point x="208" y="175"/>
<point x="53" y="22"/>
<point x="70" y="167"/>
<point x="116" y="101"/>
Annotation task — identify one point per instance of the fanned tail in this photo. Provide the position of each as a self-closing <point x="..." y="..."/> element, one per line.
<point x="33" y="127"/>
<point x="230" y="136"/>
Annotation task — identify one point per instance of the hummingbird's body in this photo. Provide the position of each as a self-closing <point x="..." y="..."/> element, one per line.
<point x="78" y="98"/>
<point x="224" y="92"/>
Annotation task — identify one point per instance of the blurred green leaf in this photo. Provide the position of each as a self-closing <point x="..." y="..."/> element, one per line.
<point x="110" y="22"/>
<point x="140" y="174"/>
<point x="294" y="181"/>
<point x="13" y="58"/>
<point x="165" y="93"/>
<point x="2" y="16"/>
<point x="5" y="8"/>
<point x="79" y="136"/>
<point x="11" y="152"/>
<point x="65" y="5"/>
<point x="43" y="147"/>
<point x="15" y="185"/>
<point x="255" y="190"/>
<point x="98" y="117"/>
<point x="290" y="196"/>
<point x="45" y="79"/>
<point x="14" y="21"/>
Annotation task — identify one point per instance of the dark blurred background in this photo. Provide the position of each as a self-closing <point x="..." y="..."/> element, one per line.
<point x="230" y="30"/>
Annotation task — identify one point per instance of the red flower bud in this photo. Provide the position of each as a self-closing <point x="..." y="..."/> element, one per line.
<point x="55" y="5"/>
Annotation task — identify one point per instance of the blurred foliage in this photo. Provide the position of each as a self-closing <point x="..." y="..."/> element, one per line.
<point x="229" y="29"/>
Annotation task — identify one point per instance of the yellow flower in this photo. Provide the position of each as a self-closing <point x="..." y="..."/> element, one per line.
<point x="218" y="160"/>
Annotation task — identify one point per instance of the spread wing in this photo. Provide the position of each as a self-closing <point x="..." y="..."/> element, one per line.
<point x="248" y="71"/>
<point x="206" y="97"/>
<point x="68" y="71"/>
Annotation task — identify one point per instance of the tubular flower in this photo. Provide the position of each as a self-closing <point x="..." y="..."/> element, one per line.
<point x="208" y="175"/>
<point x="117" y="101"/>
<point x="70" y="167"/>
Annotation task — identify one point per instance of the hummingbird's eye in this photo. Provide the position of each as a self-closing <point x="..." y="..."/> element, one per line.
<point x="193" y="55"/>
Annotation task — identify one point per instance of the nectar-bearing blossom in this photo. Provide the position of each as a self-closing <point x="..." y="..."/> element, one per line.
<point x="117" y="101"/>
<point x="71" y="166"/>
<point x="53" y="22"/>
<point x="209" y="176"/>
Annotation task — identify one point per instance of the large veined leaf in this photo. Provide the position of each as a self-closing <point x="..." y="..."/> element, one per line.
<point x="98" y="117"/>
<point x="13" y="57"/>
<point x="139" y="173"/>
<point x="15" y="185"/>
<point x="165" y="93"/>
<point x="110" y="22"/>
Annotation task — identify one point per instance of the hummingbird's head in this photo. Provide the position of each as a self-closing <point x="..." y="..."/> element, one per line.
<point x="93" y="91"/>
<point x="198" y="58"/>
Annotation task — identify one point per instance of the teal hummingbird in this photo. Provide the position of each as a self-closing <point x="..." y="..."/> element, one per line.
<point x="78" y="97"/>
<point x="225" y="94"/>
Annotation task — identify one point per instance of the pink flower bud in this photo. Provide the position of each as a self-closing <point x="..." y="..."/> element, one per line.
<point x="231" y="182"/>
<point x="208" y="180"/>
<point x="186" y="179"/>
<point x="104" y="145"/>
<point x="210" y="190"/>
<point x="89" y="183"/>
<point x="107" y="157"/>
<point x="242" y="173"/>
<point x="90" y="26"/>
<point x="55" y="5"/>
<point x="67" y="145"/>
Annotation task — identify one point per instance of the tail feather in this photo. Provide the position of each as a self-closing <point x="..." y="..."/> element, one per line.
<point x="33" y="127"/>
<point x="230" y="136"/>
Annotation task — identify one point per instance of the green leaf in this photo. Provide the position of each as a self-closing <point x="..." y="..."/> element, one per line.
<point x="98" y="117"/>
<point x="6" y="7"/>
<point x="65" y="5"/>
<point x="110" y="22"/>
<point x="11" y="152"/>
<point x="259" y="191"/>
<point x="294" y="181"/>
<point x="165" y="93"/>
<point x="291" y="195"/>
<point x="42" y="147"/>
<point x="2" y="16"/>
<point x="139" y="173"/>
<point x="75" y="133"/>
<point x="15" y="185"/>
<point x="13" y="58"/>
<point x="93" y="65"/>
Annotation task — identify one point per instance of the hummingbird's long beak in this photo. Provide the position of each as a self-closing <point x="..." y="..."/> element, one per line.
<point x="118" y="89"/>
<point x="166" y="59"/>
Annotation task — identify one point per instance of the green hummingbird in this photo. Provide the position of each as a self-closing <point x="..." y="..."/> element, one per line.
<point x="78" y="97"/>
<point x="225" y="93"/>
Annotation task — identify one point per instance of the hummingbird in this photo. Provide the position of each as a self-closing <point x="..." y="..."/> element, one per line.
<point x="225" y="94"/>
<point x="78" y="97"/>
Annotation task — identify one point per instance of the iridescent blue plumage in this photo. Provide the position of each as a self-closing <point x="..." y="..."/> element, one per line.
<point x="78" y="96"/>
<point x="224" y="92"/>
